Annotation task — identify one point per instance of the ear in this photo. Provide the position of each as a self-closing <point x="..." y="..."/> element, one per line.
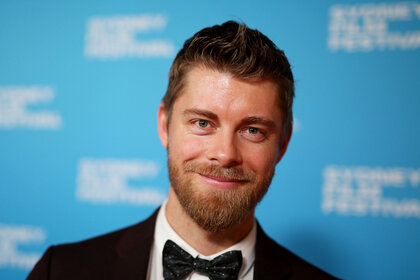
<point x="162" y="118"/>
<point x="285" y="143"/>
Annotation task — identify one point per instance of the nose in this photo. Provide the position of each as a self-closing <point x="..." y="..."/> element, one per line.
<point x="223" y="149"/>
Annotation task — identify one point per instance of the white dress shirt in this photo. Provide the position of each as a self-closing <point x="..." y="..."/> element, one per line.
<point x="163" y="232"/>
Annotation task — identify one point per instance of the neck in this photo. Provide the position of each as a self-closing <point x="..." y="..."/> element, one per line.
<point x="204" y="242"/>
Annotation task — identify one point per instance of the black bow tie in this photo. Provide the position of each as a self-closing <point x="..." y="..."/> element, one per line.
<point x="178" y="264"/>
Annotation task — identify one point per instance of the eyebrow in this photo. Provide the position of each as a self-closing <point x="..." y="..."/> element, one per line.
<point x="204" y="113"/>
<point x="246" y="121"/>
<point x="258" y="120"/>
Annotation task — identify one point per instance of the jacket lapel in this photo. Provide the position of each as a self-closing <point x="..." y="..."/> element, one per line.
<point x="270" y="259"/>
<point x="133" y="250"/>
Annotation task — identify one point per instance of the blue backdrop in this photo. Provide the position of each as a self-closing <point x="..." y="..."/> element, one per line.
<point x="81" y="81"/>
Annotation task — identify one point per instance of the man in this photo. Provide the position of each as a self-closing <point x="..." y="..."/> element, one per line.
<point x="226" y="121"/>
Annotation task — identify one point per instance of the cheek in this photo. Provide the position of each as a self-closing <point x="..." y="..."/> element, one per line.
<point x="186" y="147"/>
<point x="260" y="160"/>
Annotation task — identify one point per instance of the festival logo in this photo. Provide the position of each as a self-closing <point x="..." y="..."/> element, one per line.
<point x="370" y="27"/>
<point x="107" y="181"/>
<point x="121" y="36"/>
<point x="371" y="191"/>
<point x="13" y="239"/>
<point x="15" y="113"/>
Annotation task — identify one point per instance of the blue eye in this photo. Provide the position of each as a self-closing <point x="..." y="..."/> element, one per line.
<point x="203" y="123"/>
<point x="254" y="134"/>
<point x="253" y="130"/>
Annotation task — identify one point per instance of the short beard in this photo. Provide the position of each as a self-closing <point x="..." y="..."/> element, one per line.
<point x="217" y="210"/>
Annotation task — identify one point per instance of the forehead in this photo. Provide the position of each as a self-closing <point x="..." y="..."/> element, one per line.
<point x="224" y="94"/>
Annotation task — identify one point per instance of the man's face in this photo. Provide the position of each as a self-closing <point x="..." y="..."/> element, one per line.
<point x="223" y="142"/>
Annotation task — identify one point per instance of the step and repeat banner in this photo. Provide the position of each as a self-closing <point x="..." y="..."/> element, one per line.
<point x="81" y="81"/>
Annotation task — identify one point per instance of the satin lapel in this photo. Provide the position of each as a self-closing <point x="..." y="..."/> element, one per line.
<point x="133" y="251"/>
<point x="270" y="258"/>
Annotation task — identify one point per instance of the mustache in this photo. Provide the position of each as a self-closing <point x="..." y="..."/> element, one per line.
<point x="213" y="170"/>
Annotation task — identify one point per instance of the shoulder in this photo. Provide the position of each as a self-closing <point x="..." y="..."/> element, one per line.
<point x="100" y="255"/>
<point x="272" y="259"/>
<point x="100" y="247"/>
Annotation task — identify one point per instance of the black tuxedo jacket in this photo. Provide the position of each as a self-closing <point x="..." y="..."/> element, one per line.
<point x="124" y="254"/>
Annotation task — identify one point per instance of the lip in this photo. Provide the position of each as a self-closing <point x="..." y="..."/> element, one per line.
<point x="222" y="183"/>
